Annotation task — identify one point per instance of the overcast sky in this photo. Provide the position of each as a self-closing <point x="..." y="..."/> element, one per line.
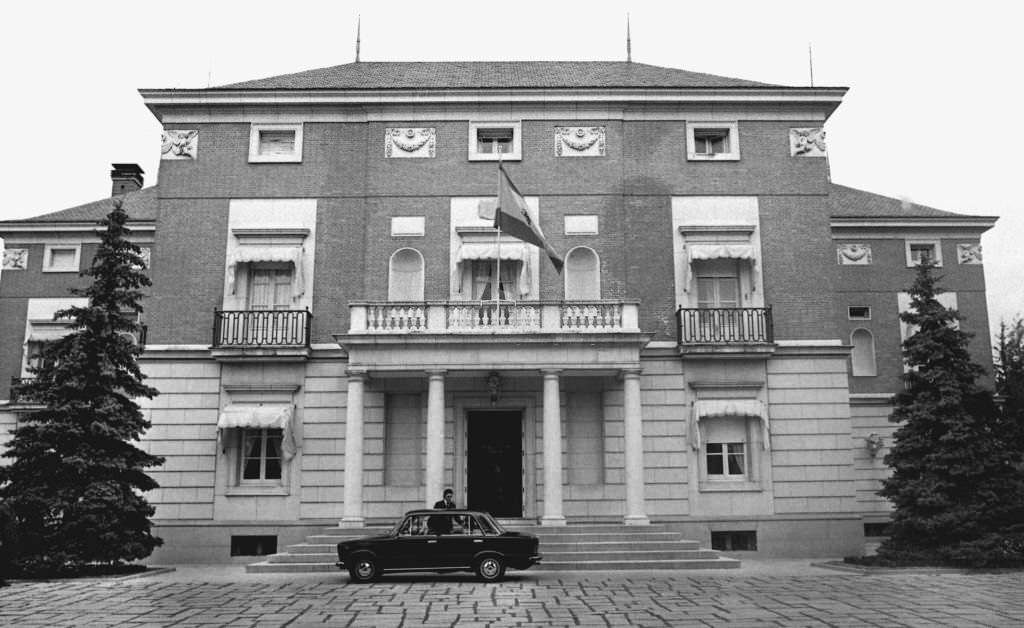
<point x="933" y="113"/>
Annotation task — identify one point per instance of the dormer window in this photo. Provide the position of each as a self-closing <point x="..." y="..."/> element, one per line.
<point x="712" y="141"/>
<point x="489" y="141"/>
<point x="275" y="143"/>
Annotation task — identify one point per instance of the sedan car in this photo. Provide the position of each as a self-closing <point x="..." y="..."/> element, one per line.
<point x="440" y="541"/>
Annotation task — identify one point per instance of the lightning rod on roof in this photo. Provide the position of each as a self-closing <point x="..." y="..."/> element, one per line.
<point x="629" y="47"/>
<point x="359" y="24"/>
<point x="810" y="62"/>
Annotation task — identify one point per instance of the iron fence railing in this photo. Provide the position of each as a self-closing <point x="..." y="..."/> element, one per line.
<point x="261" y="328"/>
<point x="725" y="325"/>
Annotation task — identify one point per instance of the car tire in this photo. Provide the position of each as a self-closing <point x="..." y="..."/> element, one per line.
<point x="364" y="569"/>
<point x="490" y="569"/>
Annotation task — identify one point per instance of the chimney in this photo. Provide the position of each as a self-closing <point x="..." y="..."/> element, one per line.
<point x="125" y="178"/>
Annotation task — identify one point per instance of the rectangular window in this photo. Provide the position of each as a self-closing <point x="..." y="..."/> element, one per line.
<point x="61" y="258"/>
<point x="270" y="288"/>
<point x="261" y="455"/>
<point x="496" y="140"/>
<point x="919" y="251"/>
<point x="734" y="541"/>
<point x="726" y="460"/>
<point x="712" y="141"/>
<point x="253" y="545"/>
<point x="275" y="143"/>
<point x="489" y="141"/>
<point x="859" y="313"/>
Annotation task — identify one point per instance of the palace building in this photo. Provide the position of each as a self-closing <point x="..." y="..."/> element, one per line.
<point x="338" y="333"/>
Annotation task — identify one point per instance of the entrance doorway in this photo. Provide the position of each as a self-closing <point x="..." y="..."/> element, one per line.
<point x="494" y="461"/>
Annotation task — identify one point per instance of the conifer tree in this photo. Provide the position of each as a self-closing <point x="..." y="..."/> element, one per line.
<point x="77" y="478"/>
<point x="956" y="484"/>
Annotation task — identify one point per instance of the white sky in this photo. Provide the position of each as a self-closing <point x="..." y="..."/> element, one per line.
<point x="933" y="113"/>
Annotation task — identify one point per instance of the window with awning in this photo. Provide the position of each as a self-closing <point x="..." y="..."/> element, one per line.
<point x="705" y="409"/>
<point x="711" y="253"/>
<point x="260" y="417"/>
<point x="269" y="255"/>
<point x="480" y="260"/>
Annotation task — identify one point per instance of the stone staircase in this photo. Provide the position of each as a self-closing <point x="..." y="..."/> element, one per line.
<point x="576" y="547"/>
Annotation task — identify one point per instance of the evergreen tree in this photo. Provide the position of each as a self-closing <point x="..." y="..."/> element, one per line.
<point x="77" y="479"/>
<point x="956" y="485"/>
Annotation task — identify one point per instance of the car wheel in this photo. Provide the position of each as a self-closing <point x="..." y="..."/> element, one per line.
<point x="364" y="569"/>
<point x="490" y="569"/>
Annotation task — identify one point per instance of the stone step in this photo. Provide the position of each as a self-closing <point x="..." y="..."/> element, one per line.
<point x="546" y="546"/>
<point x="622" y="565"/>
<point x="269" y="567"/>
<point x="573" y="565"/>
<point x="593" y="555"/>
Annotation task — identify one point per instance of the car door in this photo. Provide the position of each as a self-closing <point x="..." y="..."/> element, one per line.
<point x="463" y="542"/>
<point x="413" y="546"/>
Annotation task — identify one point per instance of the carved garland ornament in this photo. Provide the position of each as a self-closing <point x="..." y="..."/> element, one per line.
<point x="807" y="142"/>
<point x="179" y="144"/>
<point x="580" y="141"/>
<point x="854" y="254"/>
<point x="15" y="259"/>
<point x="410" y="142"/>
<point x="968" y="253"/>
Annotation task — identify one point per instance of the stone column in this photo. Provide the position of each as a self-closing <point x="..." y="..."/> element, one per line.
<point x="352" y="511"/>
<point x="435" y="438"/>
<point x="634" y="442"/>
<point x="552" y="450"/>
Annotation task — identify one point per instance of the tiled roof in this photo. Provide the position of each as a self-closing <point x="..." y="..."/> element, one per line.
<point x="140" y="205"/>
<point x="494" y="75"/>
<point x="853" y="203"/>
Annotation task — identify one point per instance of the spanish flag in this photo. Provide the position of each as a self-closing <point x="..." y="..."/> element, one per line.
<point x="514" y="217"/>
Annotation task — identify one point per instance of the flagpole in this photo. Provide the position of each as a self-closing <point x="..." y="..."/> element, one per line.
<point x="497" y="221"/>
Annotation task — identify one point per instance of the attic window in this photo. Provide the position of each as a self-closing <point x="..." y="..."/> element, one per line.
<point x="275" y="143"/>
<point x="919" y="251"/>
<point x="489" y="141"/>
<point x="712" y="141"/>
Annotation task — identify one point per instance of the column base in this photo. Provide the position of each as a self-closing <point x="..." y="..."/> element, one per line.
<point x="552" y="521"/>
<point x="636" y="520"/>
<point x="352" y="522"/>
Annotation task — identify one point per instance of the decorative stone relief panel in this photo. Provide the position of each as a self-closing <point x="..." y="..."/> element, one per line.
<point x="410" y="142"/>
<point x="807" y="142"/>
<point x="854" y="254"/>
<point x="146" y="254"/>
<point x="579" y="141"/>
<point x="968" y="253"/>
<point x="179" y="144"/>
<point x="15" y="259"/>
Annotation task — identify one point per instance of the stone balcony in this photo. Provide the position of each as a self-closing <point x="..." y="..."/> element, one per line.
<point x="490" y="317"/>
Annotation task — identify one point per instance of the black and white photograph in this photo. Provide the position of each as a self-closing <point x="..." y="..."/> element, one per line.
<point x="453" y="314"/>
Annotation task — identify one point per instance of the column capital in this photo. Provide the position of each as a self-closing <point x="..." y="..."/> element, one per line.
<point x="551" y="372"/>
<point x="436" y="373"/>
<point x="357" y="374"/>
<point x="631" y="373"/>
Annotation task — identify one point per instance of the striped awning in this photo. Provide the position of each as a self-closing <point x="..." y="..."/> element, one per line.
<point x="247" y="254"/>
<point x="262" y="416"/>
<point x="718" y="408"/>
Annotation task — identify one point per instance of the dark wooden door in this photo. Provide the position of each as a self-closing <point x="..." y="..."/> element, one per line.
<point x="495" y="462"/>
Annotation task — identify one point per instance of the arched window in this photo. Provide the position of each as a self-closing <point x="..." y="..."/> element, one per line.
<point x="405" y="276"/>
<point x="582" y="275"/>
<point x="863" y="354"/>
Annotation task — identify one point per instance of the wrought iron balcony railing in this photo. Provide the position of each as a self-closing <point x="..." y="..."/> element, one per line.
<point x="457" y="317"/>
<point x="725" y="325"/>
<point x="17" y="395"/>
<point x="261" y="328"/>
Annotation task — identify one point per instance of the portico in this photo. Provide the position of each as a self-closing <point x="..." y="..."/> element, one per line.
<point x="487" y="398"/>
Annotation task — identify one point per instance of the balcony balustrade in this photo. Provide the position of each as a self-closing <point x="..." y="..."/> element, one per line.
<point x="261" y="328"/>
<point x="725" y="325"/>
<point x="466" y="317"/>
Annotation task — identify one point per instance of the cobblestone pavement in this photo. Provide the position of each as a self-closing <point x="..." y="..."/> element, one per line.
<point x="814" y="598"/>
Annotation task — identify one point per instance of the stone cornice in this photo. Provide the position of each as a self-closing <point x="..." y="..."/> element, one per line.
<point x="160" y="101"/>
